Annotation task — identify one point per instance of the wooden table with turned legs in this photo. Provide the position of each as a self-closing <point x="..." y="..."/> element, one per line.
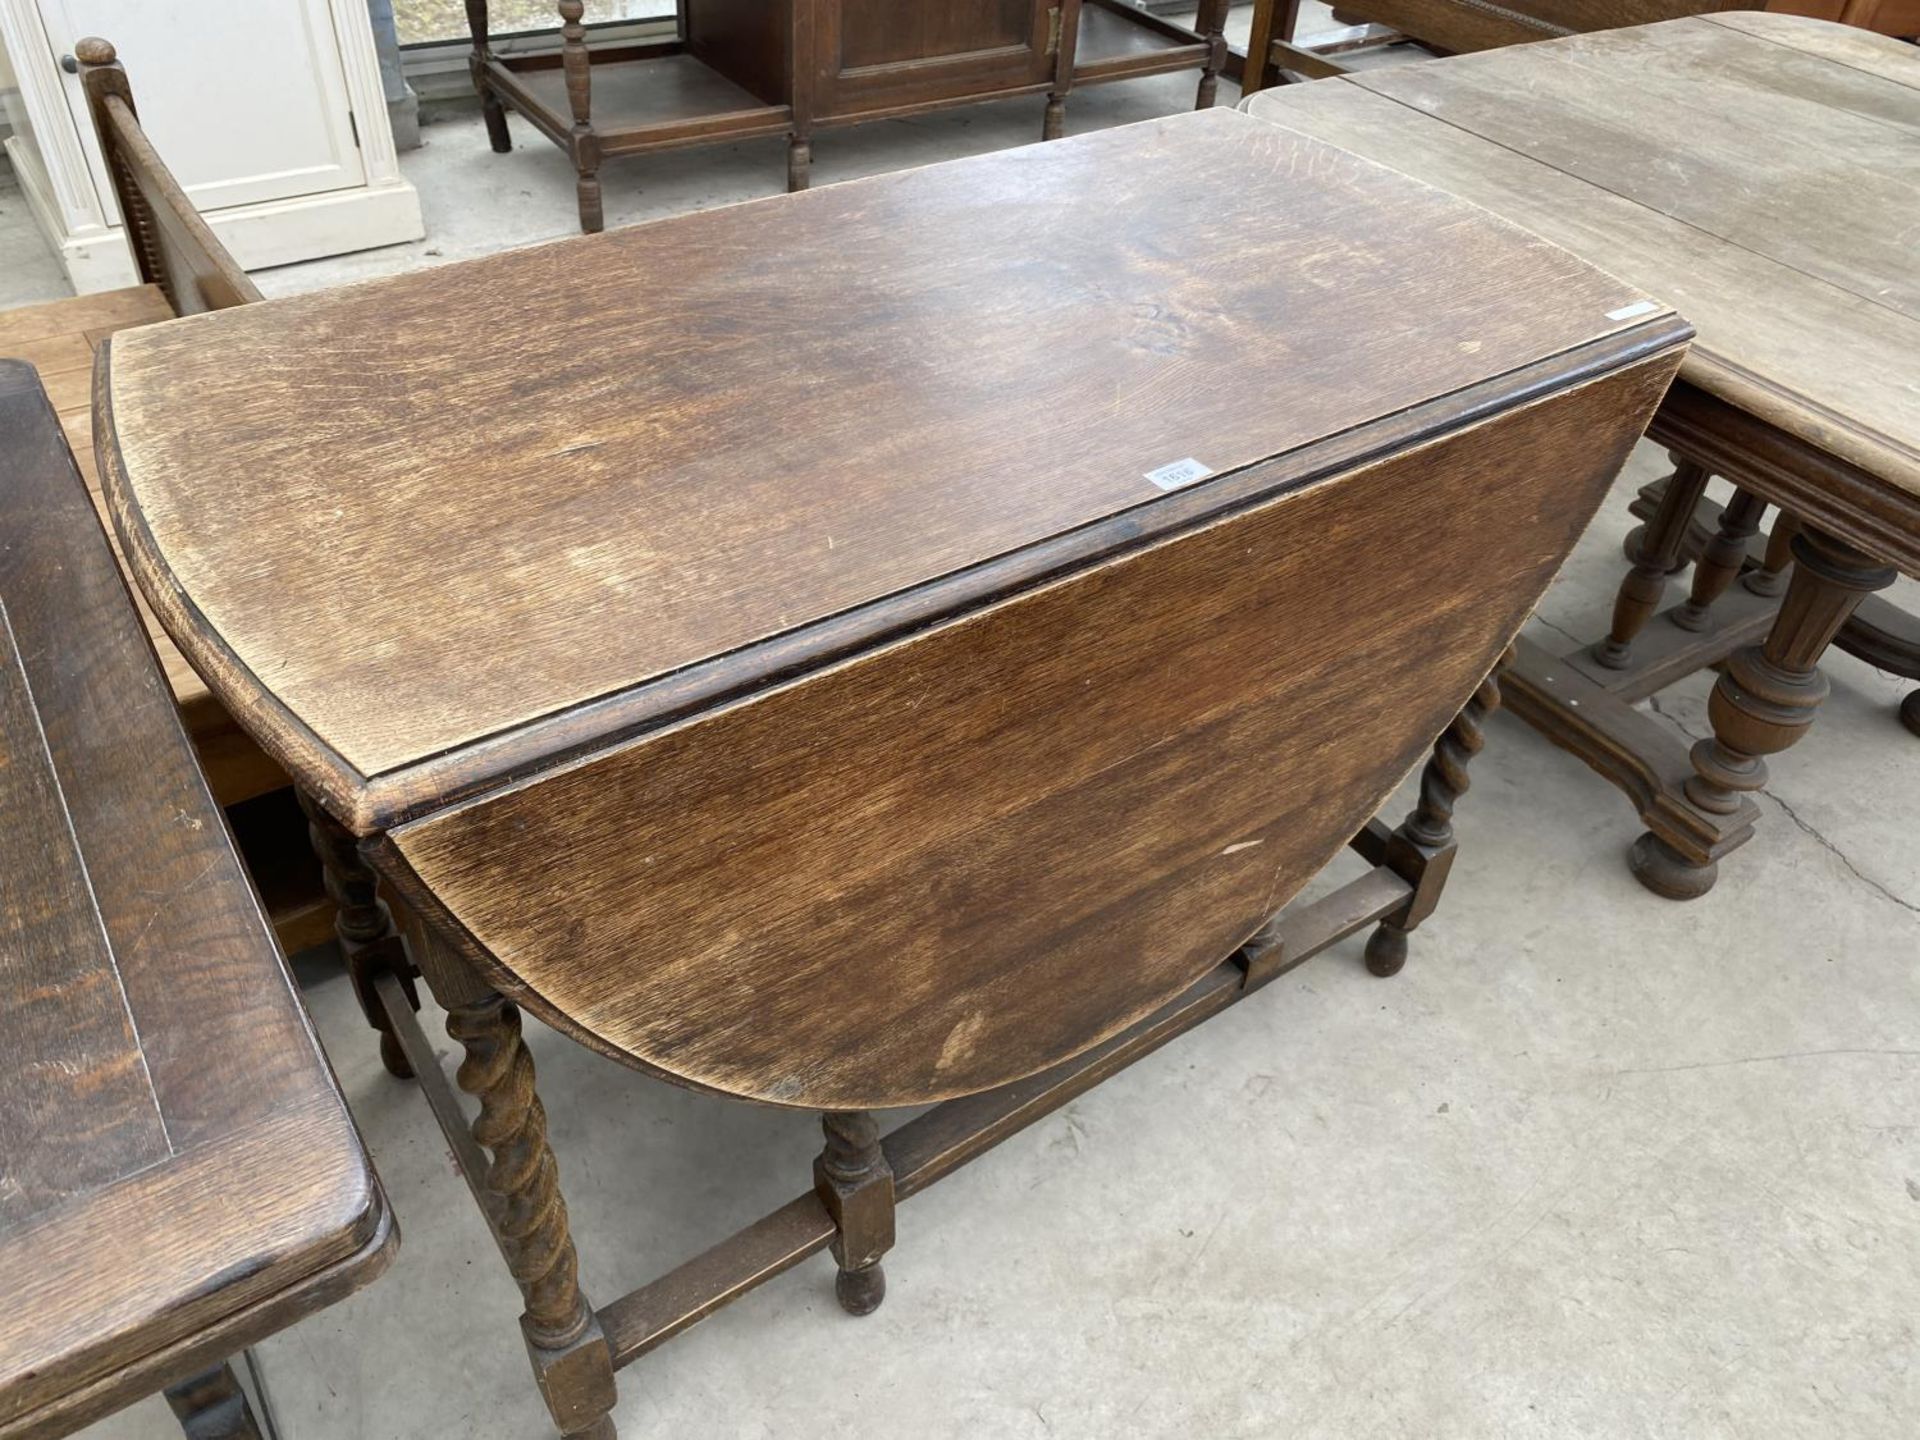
<point x="733" y="71"/>
<point x="1759" y="171"/>
<point x="928" y="685"/>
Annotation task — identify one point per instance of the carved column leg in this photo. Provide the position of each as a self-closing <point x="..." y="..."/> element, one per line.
<point x="1660" y="548"/>
<point x="856" y="1184"/>
<point x="490" y="106"/>
<point x="212" y="1406"/>
<point x="585" y="144"/>
<point x="363" y="925"/>
<point x="1726" y="552"/>
<point x="1211" y="23"/>
<point x="570" y="1357"/>
<point x="1771" y="577"/>
<point x="1765" y="698"/>
<point x="1422" y="849"/>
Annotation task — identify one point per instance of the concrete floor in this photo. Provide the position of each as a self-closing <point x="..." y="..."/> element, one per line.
<point x="1596" y="1164"/>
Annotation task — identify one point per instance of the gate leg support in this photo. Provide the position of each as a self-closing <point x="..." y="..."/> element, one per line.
<point x="363" y="925"/>
<point x="856" y="1185"/>
<point x="1422" y="848"/>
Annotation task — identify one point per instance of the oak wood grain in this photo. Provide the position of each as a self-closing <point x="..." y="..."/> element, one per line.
<point x="149" y="1019"/>
<point x="1809" y="165"/>
<point x="962" y="857"/>
<point x="65" y="1015"/>
<point x="1808" y="216"/>
<point x="614" y="485"/>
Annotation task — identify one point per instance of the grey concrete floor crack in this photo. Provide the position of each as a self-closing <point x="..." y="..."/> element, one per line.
<point x="1806" y="827"/>
<point x="1839" y="854"/>
<point x="1560" y="630"/>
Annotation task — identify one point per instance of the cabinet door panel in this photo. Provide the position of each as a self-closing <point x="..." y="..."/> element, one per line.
<point x="887" y="32"/>
<point x="246" y="100"/>
<point x="879" y="54"/>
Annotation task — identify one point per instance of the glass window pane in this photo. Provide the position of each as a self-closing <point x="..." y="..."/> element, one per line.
<point x="422" y="22"/>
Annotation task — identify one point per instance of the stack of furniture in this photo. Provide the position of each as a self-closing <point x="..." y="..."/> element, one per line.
<point x="743" y="68"/>
<point x="1454" y="27"/>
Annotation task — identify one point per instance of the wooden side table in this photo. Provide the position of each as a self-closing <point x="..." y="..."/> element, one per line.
<point x="1758" y="171"/>
<point x="178" y="1174"/>
<point x="793" y="67"/>
<point x="928" y="684"/>
<point x="1455" y="27"/>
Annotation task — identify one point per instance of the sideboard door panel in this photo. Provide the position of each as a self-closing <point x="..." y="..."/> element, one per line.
<point x="886" y="32"/>
<point x="883" y="54"/>
<point x="260" y="114"/>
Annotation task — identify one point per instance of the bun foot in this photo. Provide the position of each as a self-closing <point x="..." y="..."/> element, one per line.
<point x="1386" y="950"/>
<point x="860" y="1291"/>
<point x="1910" y="712"/>
<point x="1668" y="873"/>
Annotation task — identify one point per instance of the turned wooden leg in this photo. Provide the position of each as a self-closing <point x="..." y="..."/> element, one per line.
<point x="368" y="938"/>
<point x="1725" y="553"/>
<point x="1771" y="577"/>
<point x="584" y="144"/>
<point x="1211" y="23"/>
<point x="1765" y="698"/>
<point x="1660" y="549"/>
<point x="1263" y="28"/>
<point x="856" y="1184"/>
<point x="571" y="1360"/>
<point x="1422" y="848"/>
<point x="496" y="117"/>
<point x="799" y="163"/>
<point x="490" y="106"/>
<point x="1054" y="124"/>
<point x="592" y="216"/>
<point x="212" y="1406"/>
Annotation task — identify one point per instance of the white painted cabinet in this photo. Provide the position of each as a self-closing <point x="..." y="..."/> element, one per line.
<point x="270" y="112"/>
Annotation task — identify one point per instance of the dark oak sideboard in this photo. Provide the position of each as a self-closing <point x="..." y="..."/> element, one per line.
<point x="744" y="68"/>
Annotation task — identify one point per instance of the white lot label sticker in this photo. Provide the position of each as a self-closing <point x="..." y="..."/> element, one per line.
<point x="1634" y="311"/>
<point x="1180" y="472"/>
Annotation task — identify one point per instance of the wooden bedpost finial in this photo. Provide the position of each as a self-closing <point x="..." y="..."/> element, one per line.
<point x="94" y="51"/>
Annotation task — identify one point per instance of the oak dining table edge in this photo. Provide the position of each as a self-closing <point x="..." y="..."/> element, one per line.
<point x="371" y="805"/>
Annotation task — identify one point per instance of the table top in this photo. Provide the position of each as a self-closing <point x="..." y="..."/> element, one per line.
<point x="1760" y="172"/>
<point x="423" y="531"/>
<point x="177" y="1167"/>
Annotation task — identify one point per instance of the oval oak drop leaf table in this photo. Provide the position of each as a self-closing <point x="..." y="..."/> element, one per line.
<point x="911" y="651"/>
<point x="1762" y="172"/>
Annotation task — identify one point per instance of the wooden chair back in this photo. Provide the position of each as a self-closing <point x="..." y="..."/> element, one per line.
<point x="172" y="246"/>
